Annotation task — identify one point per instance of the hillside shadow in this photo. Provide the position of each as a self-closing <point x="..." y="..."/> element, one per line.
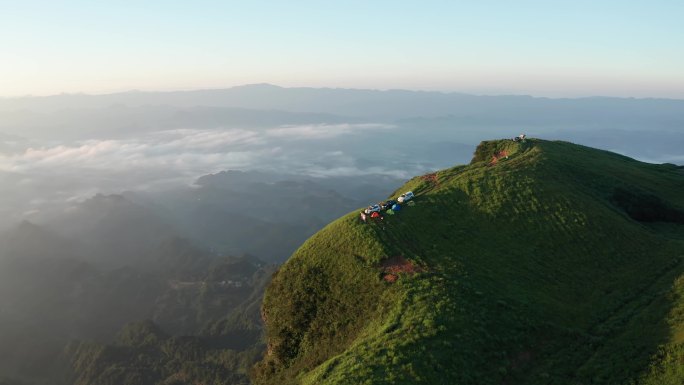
<point x="645" y="207"/>
<point x="629" y="322"/>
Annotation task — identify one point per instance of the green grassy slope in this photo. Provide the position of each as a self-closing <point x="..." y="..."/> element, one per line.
<point x="559" y="265"/>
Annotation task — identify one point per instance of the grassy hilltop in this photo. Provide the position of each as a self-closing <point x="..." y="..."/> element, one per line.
<point x="562" y="264"/>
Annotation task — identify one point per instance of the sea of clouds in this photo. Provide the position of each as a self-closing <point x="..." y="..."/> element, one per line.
<point x="38" y="175"/>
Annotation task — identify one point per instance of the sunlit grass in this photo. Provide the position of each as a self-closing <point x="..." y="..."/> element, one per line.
<point x="531" y="276"/>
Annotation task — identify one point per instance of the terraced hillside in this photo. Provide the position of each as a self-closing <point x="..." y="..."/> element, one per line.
<point x="559" y="265"/>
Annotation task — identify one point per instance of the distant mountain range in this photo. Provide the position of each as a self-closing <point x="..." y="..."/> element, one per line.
<point x="373" y="104"/>
<point x="417" y="117"/>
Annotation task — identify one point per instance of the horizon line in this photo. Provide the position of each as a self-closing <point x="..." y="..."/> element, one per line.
<point x="266" y="84"/>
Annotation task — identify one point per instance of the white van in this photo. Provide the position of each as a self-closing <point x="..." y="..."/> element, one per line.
<point x="405" y="197"/>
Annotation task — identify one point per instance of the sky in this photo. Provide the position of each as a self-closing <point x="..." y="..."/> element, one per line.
<point x="544" y="48"/>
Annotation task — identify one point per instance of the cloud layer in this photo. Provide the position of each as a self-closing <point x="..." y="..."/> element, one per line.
<point x="40" y="175"/>
<point x="188" y="152"/>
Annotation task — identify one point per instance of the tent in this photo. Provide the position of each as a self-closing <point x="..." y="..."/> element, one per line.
<point x="396" y="207"/>
<point x="390" y="212"/>
<point x="375" y="215"/>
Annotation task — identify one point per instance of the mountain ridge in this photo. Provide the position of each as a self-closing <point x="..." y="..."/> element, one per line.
<point x="271" y="87"/>
<point x="534" y="271"/>
<point x="359" y="103"/>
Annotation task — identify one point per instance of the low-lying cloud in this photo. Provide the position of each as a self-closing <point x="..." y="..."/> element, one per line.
<point x="187" y="151"/>
<point x="38" y="175"/>
<point x="321" y="131"/>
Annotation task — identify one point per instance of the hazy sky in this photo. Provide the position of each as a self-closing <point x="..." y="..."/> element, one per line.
<point x="554" y="48"/>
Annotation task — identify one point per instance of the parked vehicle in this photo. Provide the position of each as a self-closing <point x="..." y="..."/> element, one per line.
<point x="405" y="197"/>
<point x="373" y="209"/>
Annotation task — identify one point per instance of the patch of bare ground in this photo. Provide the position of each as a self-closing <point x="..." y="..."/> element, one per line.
<point x="393" y="266"/>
